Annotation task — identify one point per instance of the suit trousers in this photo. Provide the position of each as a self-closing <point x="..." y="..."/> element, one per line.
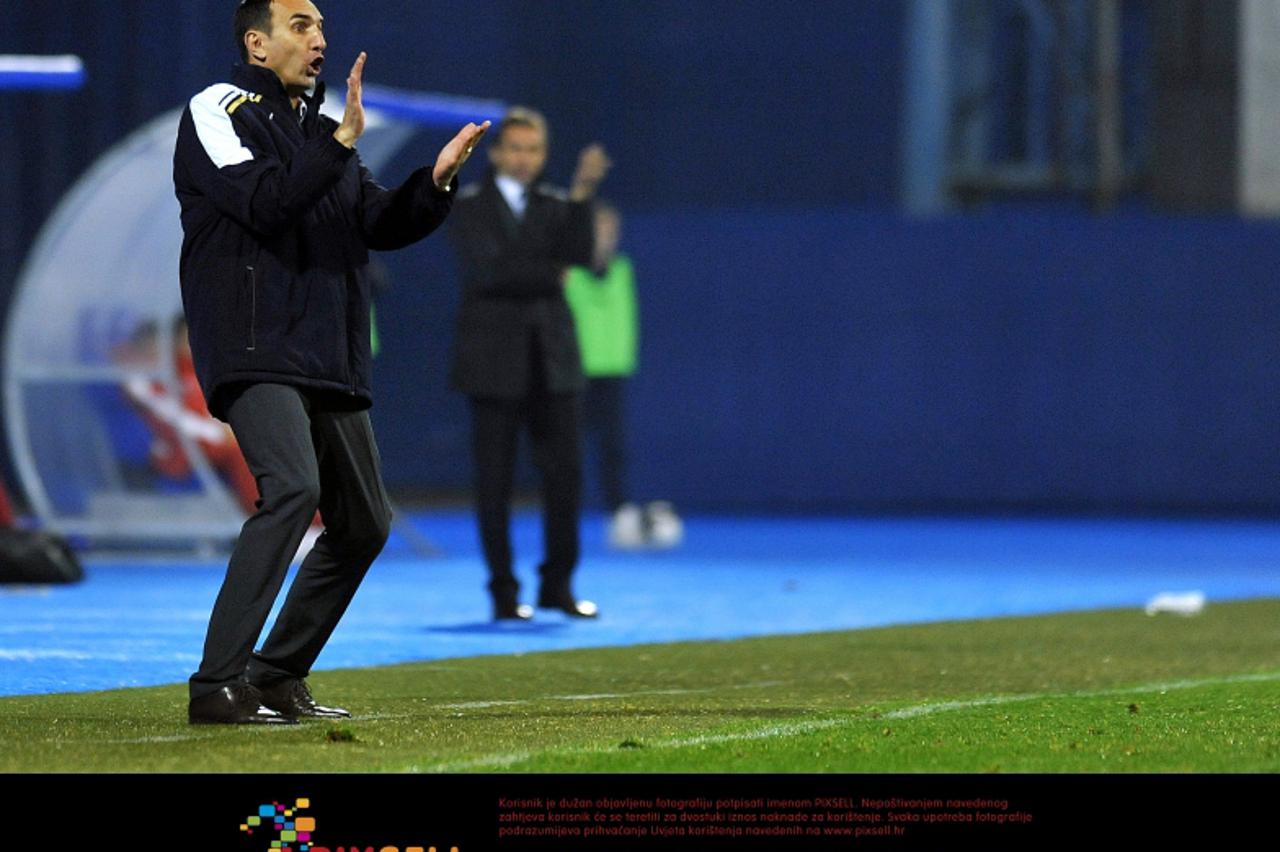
<point x="553" y="423"/>
<point x="305" y="454"/>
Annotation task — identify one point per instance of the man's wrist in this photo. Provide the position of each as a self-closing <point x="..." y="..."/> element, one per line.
<point x="443" y="185"/>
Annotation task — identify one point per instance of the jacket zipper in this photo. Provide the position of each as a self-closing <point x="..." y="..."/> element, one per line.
<point x="253" y="308"/>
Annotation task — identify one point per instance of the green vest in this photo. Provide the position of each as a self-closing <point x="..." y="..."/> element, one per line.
<point x="604" y="312"/>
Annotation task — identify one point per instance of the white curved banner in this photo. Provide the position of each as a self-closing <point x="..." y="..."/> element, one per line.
<point x="89" y="339"/>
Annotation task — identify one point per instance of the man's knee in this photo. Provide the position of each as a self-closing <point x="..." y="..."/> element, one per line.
<point x="291" y="495"/>
<point x="379" y="530"/>
<point x="367" y="538"/>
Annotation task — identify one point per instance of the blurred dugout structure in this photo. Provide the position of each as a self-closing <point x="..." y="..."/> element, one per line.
<point x="93" y="311"/>
<point x="1093" y="98"/>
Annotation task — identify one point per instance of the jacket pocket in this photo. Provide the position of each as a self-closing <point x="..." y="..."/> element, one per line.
<point x="251" y="290"/>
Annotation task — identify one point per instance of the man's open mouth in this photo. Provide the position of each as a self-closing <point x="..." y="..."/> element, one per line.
<point x="316" y="64"/>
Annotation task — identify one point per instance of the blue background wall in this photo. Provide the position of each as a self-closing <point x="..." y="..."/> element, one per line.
<point x="805" y="346"/>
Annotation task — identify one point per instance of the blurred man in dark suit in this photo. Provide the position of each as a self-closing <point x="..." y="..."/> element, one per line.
<point x="516" y="352"/>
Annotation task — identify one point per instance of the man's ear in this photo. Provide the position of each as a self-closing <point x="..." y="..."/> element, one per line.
<point x="255" y="45"/>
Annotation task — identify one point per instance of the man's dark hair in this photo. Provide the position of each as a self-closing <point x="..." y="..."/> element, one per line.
<point x="251" y="15"/>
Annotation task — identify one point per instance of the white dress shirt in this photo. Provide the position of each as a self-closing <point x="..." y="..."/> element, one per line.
<point x="515" y="193"/>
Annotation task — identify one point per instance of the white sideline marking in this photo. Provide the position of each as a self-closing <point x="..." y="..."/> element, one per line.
<point x="16" y="591"/>
<point x="31" y="655"/>
<point x="91" y="615"/>
<point x="786" y="730"/>
<point x="795" y="728"/>
<point x="174" y="738"/>
<point x="480" y="705"/>
<point x="943" y="706"/>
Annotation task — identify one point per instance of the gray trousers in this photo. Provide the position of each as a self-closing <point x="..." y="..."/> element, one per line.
<point x="305" y="455"/>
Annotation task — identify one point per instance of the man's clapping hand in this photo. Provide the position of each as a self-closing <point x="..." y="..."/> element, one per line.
<point x="455" y="154"/>
<point x="593" y="165"/>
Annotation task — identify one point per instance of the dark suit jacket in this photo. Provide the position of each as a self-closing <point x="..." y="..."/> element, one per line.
<point x="513" y="306"/>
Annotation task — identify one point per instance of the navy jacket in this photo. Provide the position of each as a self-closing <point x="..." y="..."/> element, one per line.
<point x="278" y="220"/>
<point x="514" y="326"/>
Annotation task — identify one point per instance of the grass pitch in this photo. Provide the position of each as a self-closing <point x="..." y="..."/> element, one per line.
<point x="1079" y="692"/>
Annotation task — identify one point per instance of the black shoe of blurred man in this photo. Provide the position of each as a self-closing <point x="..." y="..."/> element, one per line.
<point x="569" y="606"/>
<point x="505" y="608"/>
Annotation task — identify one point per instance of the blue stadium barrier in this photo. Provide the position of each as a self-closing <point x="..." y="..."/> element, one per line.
<point x="431" y="109"/>
<point x="41" y="72"/>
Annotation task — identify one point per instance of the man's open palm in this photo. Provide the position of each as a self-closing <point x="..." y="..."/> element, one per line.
<point x="455" y="154"/>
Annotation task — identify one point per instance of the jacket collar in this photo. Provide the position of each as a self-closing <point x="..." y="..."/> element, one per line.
<point x="263" y="81"/>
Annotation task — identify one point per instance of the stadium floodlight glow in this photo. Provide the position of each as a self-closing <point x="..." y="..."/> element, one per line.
<point x="432" y="110"/>
<point x="41" y="72"/>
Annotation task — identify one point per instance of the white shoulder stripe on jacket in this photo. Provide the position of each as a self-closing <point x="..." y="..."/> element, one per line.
<point x="213" y="125"/>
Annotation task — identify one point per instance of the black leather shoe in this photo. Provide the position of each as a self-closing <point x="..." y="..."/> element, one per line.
<point x="512" y="612"/>
<point x="293" y="698"/>
<point x="570" y="606"/>
<point x="237" y="704"/>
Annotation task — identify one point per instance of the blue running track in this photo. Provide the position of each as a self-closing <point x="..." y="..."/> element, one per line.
<point x="137" y="624"/>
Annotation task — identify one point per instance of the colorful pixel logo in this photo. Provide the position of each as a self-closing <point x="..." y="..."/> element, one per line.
<point x="292" y="833"/>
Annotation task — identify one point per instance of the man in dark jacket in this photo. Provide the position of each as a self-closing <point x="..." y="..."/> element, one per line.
<point x="516" y="351"/>
<point x="279" y="217"/>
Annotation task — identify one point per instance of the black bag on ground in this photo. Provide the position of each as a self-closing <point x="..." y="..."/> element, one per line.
<point x="27" y="556"/>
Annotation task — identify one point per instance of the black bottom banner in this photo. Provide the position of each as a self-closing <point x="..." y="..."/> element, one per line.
<point x="575" y="813"/>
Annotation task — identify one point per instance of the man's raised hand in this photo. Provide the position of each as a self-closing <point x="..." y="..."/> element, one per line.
<point x="352" y="127"/>
<point x="455" y="153"/>
<point x="593" y="165"/>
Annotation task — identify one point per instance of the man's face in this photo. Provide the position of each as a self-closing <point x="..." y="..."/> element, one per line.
<point x="295" y="48"/>
<point x="520" y="154"/>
